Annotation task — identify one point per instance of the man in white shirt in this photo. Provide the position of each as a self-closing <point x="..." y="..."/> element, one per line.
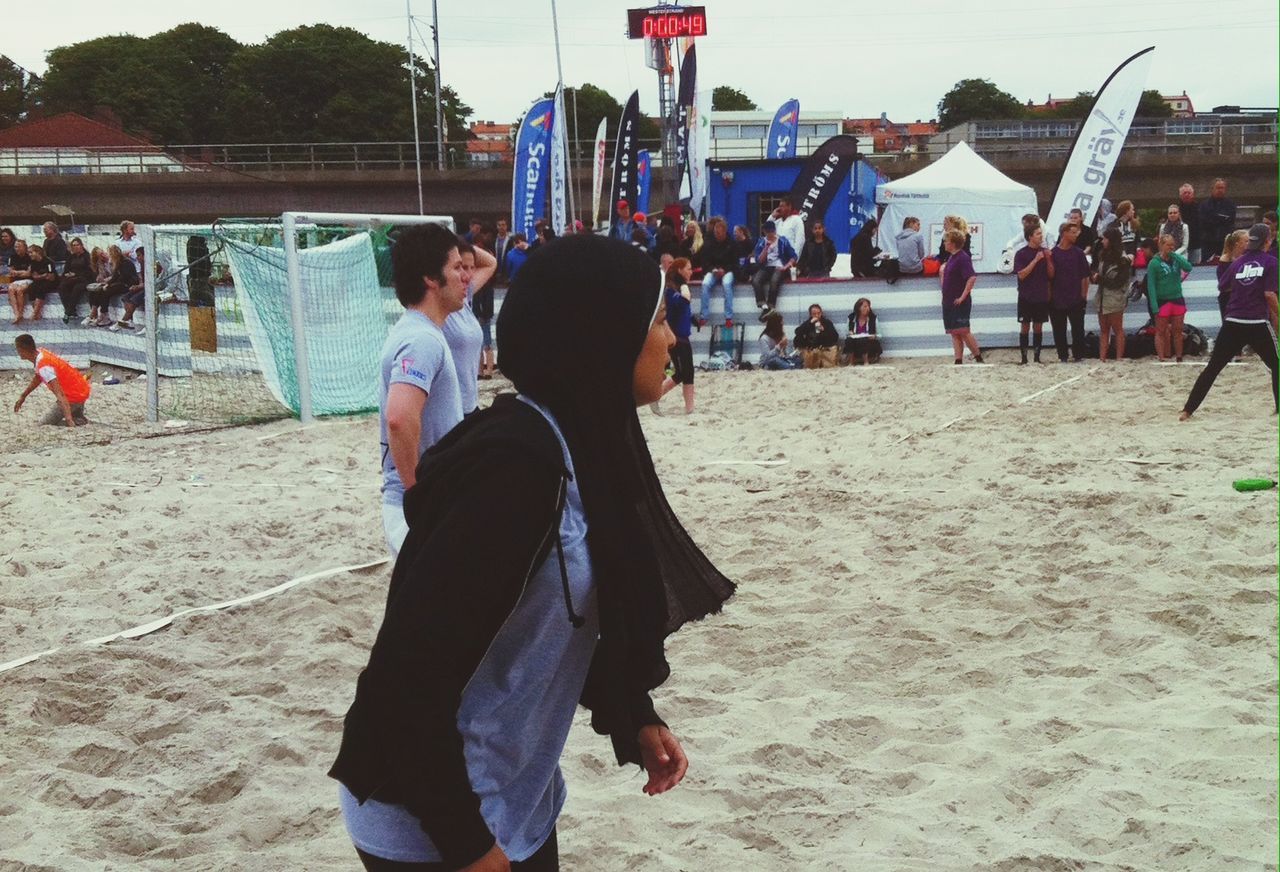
<point x="129" y="243"/>
<point x="789" y="225"/>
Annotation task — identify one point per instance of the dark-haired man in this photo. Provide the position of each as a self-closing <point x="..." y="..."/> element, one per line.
<point x="773" y="257"/>
<point x="790" y="225"/>
<point x="1217" y="217"/>
<point x="67" y="384"/>
<point x="418" y="397"/>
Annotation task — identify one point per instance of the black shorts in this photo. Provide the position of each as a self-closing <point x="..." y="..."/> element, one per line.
<point x="682" y="360"/>
<point x="1030" y="312"/>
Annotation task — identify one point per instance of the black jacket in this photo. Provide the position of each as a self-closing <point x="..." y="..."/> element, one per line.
<point x="400" y="741"/>
<point x="862" y="255"/>
<point x="818" y="257"/>
<point x="808" y="336"/>
<point x="853" y="324"/>
<point x="715" y="254"/>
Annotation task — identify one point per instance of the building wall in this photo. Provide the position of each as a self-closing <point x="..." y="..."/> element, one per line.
<point x="758" y="185"/>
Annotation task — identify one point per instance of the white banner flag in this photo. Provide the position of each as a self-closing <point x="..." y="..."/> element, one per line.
<point x="1097" y="147"/>
<point x="597" y="175"/>
<point x="559" y="152"/>
<point x="699" y="153"/>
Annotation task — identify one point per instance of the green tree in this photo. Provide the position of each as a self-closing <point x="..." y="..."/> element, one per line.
<point x="726" y="99"/>
<point x="1152" y="105"/>
<point x="976" y="99"/>
<point x="13" y="92"/>
<point x="196" y="58"/>
<point x="595" y="103"/>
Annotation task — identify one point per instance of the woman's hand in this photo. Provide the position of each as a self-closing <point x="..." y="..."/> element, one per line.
<point x="493" y="861"/>
<point x="663" y="757"/>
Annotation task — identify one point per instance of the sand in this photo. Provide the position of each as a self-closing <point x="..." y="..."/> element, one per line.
<point x="970" y="634"/>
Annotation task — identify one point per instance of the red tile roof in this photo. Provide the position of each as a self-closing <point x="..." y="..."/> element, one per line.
<point x="67" y="130"/>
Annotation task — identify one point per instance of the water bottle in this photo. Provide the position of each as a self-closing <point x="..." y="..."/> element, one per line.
<point x="111" y="380"/>
<point x="1253" y="484"/>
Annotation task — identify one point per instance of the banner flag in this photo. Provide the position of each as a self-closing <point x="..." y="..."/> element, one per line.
<point x="559" y="156"/>
<point x="684" y="109"/>
<point x="699" y="153"/>
<point x="643" y="180"/>
<point x="1097" y="146"/>
<point x="529" y="181"/>
<point x="822" y="174"/>
<point x="626" y="145"/>
<point x="782" y="132"/>
<point x="597" y="174"/>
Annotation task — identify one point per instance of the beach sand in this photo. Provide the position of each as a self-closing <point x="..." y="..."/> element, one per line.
<point x="971" y="633"/>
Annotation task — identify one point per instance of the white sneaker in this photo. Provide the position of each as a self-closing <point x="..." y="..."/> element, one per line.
<point x="89" y="321"/>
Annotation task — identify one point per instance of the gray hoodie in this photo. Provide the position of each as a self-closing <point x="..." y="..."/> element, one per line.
<point x="910" y="251"/>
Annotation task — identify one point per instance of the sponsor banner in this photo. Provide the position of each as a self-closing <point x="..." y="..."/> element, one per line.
<point x="684" y="109"/>
<point x="1101" y="136"/>
<point x="782" y="132"/>
<point x="699" y="153"/>
<point x="862" y="194"/>
<point x="529" y="183"/>
<point x="559" y="155"/>
<point x="821" y="176"/>
<point x="644" y="180"/>
<point x="626" y="145"/>
<point x="597" y="174"/>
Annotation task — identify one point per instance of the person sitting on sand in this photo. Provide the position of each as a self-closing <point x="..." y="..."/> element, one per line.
<point x="67" y="384"/>
<point x="504" y="615"/>
<point x="773" y="345"/>
<point x="862" y="343"/>
<point x="817" y="340"/>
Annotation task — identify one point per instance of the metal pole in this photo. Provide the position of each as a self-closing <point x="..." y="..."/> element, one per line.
<point x="293" y="267"/>
<point x="577" y="147"/>
<point x="413" y="100"/>
<point x="435" y="38"/>
<point x="555" y="30"/>
<point x="151" y="318"/>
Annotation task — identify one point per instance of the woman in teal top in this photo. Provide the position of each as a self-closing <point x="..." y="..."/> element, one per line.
<point x="1164" y="297"/>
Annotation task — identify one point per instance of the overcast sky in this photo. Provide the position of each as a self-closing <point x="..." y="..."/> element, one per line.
<point x="835" y="55"/>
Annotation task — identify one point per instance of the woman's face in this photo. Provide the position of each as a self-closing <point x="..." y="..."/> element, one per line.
<point x="1238" y="249"/>
<point x="37" y="255"/>
<point x="1175" y="214"/>
<point x="1166" y="245"/>
<point x="690" y="230"/>
<point x="721" y="233"/>
<point x="865" y="308"/>
<point x="1037" y="238"/>
<point x="77" y="246"/>
<point x="20" y="248"/>
<point x="468" y="267"/>
<point x="740" y="234"/>
<point x="686" y="272"/>
<point x="651" y="366"/>
<point x="6" y="239"/>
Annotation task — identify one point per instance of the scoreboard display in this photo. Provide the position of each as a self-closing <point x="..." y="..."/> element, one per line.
<point x="667" y="22"/>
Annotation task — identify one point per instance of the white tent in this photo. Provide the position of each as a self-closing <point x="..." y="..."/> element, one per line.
<point x="958" y="183"/>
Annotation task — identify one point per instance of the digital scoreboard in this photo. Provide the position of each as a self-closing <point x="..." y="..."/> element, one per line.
<point x="667" y="22"/>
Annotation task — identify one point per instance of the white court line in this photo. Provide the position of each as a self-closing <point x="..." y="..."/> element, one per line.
<point x="288" y="432"/>
<point x="160" y="623"/>
<point x="745" y="462"/>
<point x="1030" y="397"/>
<point x="966" y="365"/>
<point x="1146" y="462"/>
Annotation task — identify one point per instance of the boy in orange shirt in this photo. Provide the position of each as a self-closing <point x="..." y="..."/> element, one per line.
<point x="65" y="381"/>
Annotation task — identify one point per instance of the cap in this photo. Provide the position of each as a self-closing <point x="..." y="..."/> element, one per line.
<point x="769" y="225"/>
<point x="640" y="217"/>
<point x="1258" y="236"/>
<point x="623" y="204"/>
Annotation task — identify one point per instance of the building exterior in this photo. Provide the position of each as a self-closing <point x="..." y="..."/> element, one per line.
<point x="742" y="135"/>
<point x="70" y="144"/>
<point x="1180" y="104"/>
<point x="882" y="136"/>
<point x="492" y="143"/>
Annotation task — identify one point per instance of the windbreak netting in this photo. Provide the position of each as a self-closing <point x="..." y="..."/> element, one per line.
<point x="231" y="357"/>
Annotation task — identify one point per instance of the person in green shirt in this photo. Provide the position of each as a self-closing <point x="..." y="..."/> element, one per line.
<point x="1164" y="297"/>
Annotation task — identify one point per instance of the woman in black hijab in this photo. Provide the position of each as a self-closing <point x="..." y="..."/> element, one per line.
<point x="505" y="613"/>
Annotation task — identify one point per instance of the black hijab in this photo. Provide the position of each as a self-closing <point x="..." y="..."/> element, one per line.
<point x="571" y="327"/>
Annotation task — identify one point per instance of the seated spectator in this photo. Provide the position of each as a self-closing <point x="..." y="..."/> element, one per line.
<point x="718" y="259"/>
<point x="44" y="281"/>
<point x="862" y="343"/>
<point x="19" y="279"/>
<point x="743" y="245"/>
<point x="67" y="384"/>
<point x="100" y="264"/>
<point x="773" y="257"/>
<point x="55" y="247"/>
<point x="666" y="242"/>
<point x="7" y="239"/>
<point x="819" y="254"/>
<point x="691" y="243"/>
<point x="135" y="298"/>
<point x="911" y="252"/>
<point x="124" y="276"/>
<point x="817" y="340"/>
<point x="953" y="222"/>
<point x="1174" y="226"/>
<point x="516" y="256"/>
<point x="863" y="251"/>
<point x="77" y="272"/>
<point x="773" y="345"/>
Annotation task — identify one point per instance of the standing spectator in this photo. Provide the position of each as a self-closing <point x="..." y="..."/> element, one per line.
<point x="958" y="279"/>
<point x="482" y="308"/>
<point x="129" y="243"/>
<point x="100" y="261"/>
<point x="501" y="245"/>
<point x="67" y="384"/>
<point x="718" y="259"/>
<point x="954" y="222"/>
<point x="862" y="343"/>
<point x="462" y="328"/>
<point x="790" y="225"/>
<point x="863" y="251"/>
<point x="1106" y="217"/>
<point x="665" y="242"/>
<point x="55" y="247"/>
<point x="44" y="281"/>
<point x="1271" y="220"/>
<point x="76" y="275"/>
<point x="1217" y="214"/>
<point x="819" y="254"/>
<point x="817" y="340"/>
<point x="772" y="257"/>
<point x="474" y="227"/>
<point x="1232" y="247"/>
<point x="19" y="279"/>
<point x="773" y="345"/>
<point x="911" y="252"/>
<point x="1112" y="273"/>
<point x="1033" y="265"/>
<point x="623" y="225"/>
<point x="7" y="239"/>
<point x="680" y="319"/>
<point x="1174" y="226"/>
<point x="1130" y="226"/>
<point x="1068" y="291"/>
<point x="1164" y="297"/>
<point x="691" y="243"/>
<point x="1252" y="282"/>
<point x="1190" y="211"/>
<point x="516" y="256"/>
<point x="1086" y="238"/>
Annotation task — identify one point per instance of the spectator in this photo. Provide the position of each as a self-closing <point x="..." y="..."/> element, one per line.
<point x="1271" y="220"/>
<point x="55" y="247"/>
<point x="1253" y="285"/>
<point x="500" y="246"/>
<point x="666" y="242"/>
<point x="623" y="225"/>
<point x="19" y="279"/>
<point x="718" y="258"/>
<point x="743" y="245"/>
<point x="516" y="257"/>
<point x="640" y="239"/>
<point x="954" y="222"/>
<point x="1174" y="226"/>
<point x="819" y="253"/>
<point x="474" y="227"/>
<point x="482" y="306"/>
<point x="1233" y="246"/>
<point x="817" y="340"/>
<point x="911" y="252"/>
<point x="129" y="243"/>
<point x="7" y="239"/>
<point x="543" y="233"/>
<point x="1130" y="226"/>
<point x="1033" y="264"/>
<point x="680" y="319"/>
<point x="1106" y="217"/>
<point x="773" y="345"/>
<point x="135" y="296"/>
<point x="1112" y="274"/>
<point x="1164" y="297"/>
<point x="1086" y="238"/>
<point x="1217" y="214"/>
<point x="863" y="251"/>
<point x="462" y="330"/>
<point x="44" y="281"/>
<point x="958" y="279"/>
<point x="124" y="276"/>
<point x="101" y="265"/>
<point x="67" y="384"/>
<point x="691" y="244"/>
<point x="772" y="257"/>
<point x="862" y="343"/>
<point x="1068" y="291"/>
<point x="76" y="275"/>
<point x="1190" y="211"/>
<point x="790" y="225"/>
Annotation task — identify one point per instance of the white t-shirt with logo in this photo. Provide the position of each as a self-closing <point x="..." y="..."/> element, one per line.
<point x="792" y="228"/>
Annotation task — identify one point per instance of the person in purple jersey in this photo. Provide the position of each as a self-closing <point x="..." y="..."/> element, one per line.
<point x="958" y="278"/>
<point x="1232" y="247"/>
<point x="1253" y="280"/>
<point x="1034" y="268"/>
<point x="1068" y="290"/>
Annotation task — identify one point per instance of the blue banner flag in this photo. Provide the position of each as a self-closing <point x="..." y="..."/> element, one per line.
<point x="644" y="178"/>
<point x="782" y="132"/>
<point x="529" y="182"/>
